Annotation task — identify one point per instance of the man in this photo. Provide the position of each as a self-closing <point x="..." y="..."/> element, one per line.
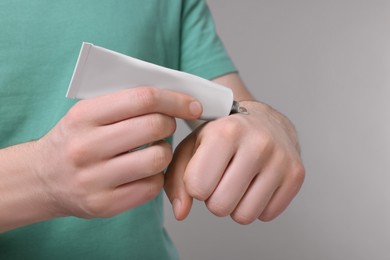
<point x="65" y="162"/>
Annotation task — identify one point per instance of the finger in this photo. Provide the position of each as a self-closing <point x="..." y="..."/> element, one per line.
<point x="258" y="195"/>
<point x="136" y="193"/>
<point x="207" y="166"/>
<point x="111" y="140"/>
<point x="138" y="101"/>
<point x="234" y="183"/>
<point x="174" y="185"/>
<point x="284" y="195"/>
<point x="133" y="166"/>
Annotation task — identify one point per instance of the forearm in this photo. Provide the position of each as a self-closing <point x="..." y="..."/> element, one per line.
<point x="23" y="200"/>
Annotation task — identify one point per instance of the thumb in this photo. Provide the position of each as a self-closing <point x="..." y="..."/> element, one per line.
<point x="174" y="185"/>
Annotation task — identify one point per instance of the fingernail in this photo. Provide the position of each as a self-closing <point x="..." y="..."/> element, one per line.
<point x="195" y="108"/>
<point x="176" y="207"/>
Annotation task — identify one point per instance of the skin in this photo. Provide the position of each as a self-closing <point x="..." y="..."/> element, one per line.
<point x="246" y="166"/>
<point x="82" y="167"/>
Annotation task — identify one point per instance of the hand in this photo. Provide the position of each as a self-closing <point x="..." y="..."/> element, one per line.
<point x="85" y="166"/>
<point x="245" y="166"/>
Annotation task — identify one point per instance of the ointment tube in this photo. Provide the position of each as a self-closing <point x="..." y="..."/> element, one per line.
<point x="100" y="71"/>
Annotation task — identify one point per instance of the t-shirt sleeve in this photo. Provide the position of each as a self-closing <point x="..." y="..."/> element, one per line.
<point x="202" y="52"/>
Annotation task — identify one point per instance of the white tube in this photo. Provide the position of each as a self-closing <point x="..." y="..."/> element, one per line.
<point x="101" y="71"/>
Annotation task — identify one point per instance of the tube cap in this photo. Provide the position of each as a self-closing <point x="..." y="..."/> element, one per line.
<point x="236" y="108"/>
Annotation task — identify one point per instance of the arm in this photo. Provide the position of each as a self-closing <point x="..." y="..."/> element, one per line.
<point x="246" y="166"/>
<point x="82" y="167"/>
<point x="22" y="198"/>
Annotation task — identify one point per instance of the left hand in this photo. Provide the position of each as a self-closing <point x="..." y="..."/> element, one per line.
<point x="245" y="166"/>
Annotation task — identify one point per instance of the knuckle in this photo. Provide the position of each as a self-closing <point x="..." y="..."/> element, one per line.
<point x="76" y="151"/>
<point x="162" y="156"/>
<point x="155" y="186"/>
<point x="267" y="216"/>
<point x="265" y="142"/>
<point x="147" y="97"/>
<point x="170" y="126"/>
<point x="72" y="117"/>
<point x="94" y="207"/>
<point x="197" y="191"/>
<point x="230" y="129"/>
<point x="219" y="209"/>
<point x="90" y="204"/>
<point x="157" y="125"/>
<point x="297" y="175"/>
<point x="161" y="125"/>
<point x="84" y="199"/>
<point x="243" y="219"/>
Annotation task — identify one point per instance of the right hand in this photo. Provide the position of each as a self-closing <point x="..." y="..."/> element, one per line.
<point x="85" y="166"/>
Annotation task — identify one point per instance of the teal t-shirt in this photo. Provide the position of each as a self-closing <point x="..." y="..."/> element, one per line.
<point x="39" y="46"/>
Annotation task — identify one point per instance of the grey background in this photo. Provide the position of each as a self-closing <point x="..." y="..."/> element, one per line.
<point x="326" y="65"/>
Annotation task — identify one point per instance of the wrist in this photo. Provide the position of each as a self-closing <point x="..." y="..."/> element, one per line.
<point x="24" y="198"/>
